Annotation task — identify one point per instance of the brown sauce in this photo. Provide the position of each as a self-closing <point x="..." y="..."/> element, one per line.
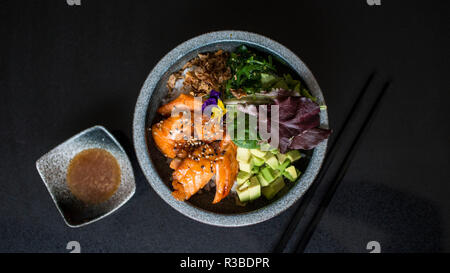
<point x="93" y="175"/>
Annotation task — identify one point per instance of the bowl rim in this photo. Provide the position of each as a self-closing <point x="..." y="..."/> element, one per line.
<point x="146" y="164"/>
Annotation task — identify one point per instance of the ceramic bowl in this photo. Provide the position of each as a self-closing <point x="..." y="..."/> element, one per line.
<point x="155" y="166"/>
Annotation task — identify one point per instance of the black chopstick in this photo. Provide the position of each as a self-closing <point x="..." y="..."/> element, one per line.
<point x="341" y="172"/>
<point x="287" y="234"/>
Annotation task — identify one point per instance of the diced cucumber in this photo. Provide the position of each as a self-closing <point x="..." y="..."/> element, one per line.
<point x="246" y="167"/>
<point x="244" y="195"/>
<point x="288" y="176"/>
<point x="262" y="180"/>
<point x="254" y="188"/>
<point x="291" y="173"/>
<point x="258" y="161"/>
<point x="255" y="170"/>
<point x="267" y="174"/>
<point x="281" y="157"/>
<point x="285" y="164"/>
<point x="250" y="190"/>
<point x="244" y="185"/>
<point x="243" y="155"/>
<point x="258" y="153"/>
<point x="242" y="177"/>
<point x="270" y="191"/>
<point x="272" y="162"/>
<point x="293" y="155"/>
<point x="268" y="147"/>
<point x="276" y="173"/>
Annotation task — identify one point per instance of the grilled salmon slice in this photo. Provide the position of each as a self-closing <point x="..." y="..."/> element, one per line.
<point x="227" y="168"/>
<point x="182" y="102"/>
<point x="171" y="134"/>
<point x="194" y="172"/>
<point x="209" y="130"/>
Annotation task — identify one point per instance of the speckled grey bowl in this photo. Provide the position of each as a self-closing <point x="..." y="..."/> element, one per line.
<point x="155" y="166"/>
<point x="52" y="168"/>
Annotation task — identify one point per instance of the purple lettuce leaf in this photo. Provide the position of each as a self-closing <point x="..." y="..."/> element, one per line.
<point x="299" y="120"/>
<point x="298" y="113"/>
<point x="309" y="139"/>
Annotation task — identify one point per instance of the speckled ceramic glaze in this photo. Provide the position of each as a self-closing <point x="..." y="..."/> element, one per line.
<point x="53" y="170"/>
<point x="155" y="166"/>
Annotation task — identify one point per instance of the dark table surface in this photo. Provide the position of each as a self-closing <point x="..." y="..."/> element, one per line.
<point x="65" y="68"/>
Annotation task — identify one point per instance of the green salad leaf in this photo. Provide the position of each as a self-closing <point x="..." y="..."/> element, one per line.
<point x="246" y="68"/>
<point x="253" y="73"/>
<point x="250" y="141"/>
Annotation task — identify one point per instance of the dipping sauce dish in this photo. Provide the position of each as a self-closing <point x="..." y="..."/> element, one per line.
<point x="53" y="168"/>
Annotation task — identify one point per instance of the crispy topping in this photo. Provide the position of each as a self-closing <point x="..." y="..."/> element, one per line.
<point x="238" y="93"/>
<point x="202" y="74"/>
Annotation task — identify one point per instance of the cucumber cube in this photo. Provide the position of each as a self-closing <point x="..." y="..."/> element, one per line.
<point x="244" y="195"/>
<point x="285" y="164"/>
<point x="281" y="158"/>
<point x="244" y="185"/>
<point x="262" y="180"/>
<point x="272" y="162"/>
<point x="243" y="155"/>
<point x="267" y="174"/>
<point x="258" y="153"/>
<point x="255" y="170"/>
<point x="268" y="147"/>
<point x="276" y="173"/>
<point x="258" y="161"/>
<point x="250" y="190"/>
<point x="246" y="167"/>
<point x="242" y="177"/>
<point x="270" y="191"/>
<point x="254" y="188"/>
<point x="293" y="155"/>
<point x="291" y="173"/>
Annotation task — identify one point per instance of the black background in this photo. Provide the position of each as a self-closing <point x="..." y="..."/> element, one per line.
<point x="66" y="68"/>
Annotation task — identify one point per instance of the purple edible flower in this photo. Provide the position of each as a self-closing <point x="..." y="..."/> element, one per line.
<point x="210" y="101"/>
<point x="214" y="96"/>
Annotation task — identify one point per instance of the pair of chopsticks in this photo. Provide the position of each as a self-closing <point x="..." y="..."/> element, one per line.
<point x="305" y="219"/>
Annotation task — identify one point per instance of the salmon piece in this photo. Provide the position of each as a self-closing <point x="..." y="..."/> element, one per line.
<point x="211" y="130"/>
<point x="193" y="173"/>
<point x="175" y="163"/>
<point x="171" y="134"/>
<point x="227" y="168"/>
<point x="182" y="102"/>
<point x="195" y="165"/>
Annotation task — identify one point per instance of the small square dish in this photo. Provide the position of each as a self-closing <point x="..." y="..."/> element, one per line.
<point x="53" y="167"/>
